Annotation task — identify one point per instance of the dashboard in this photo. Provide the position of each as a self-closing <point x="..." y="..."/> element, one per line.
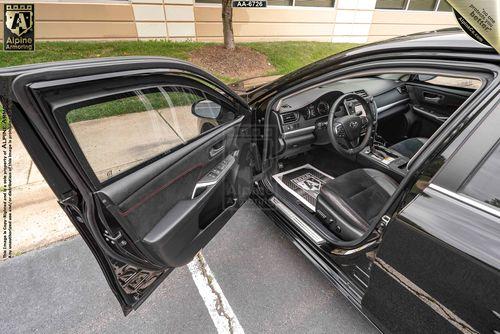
<point x="321" y="109"/>
<point x="302" y="117"/>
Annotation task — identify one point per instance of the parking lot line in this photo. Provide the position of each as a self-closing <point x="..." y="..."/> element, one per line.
<point x="218" y="307"/>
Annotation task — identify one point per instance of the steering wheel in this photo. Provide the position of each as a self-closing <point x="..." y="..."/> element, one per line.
<point x="350" y="134"/>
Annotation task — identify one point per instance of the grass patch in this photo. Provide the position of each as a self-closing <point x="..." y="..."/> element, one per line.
<point x="131" y="104"/>
<point x="284" y="56"/>
<point x="290" y="56"/>
<point x="56" y="51"/>
<point x="4" y="120"/>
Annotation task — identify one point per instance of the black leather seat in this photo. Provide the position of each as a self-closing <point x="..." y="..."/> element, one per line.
<point x="351" y="201"/>
<point x="409" y="147"/>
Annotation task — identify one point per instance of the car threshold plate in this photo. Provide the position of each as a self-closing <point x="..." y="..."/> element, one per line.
<point x="304" y="183"/>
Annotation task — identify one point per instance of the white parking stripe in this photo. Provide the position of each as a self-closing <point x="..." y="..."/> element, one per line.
<point x="220" y="311"/>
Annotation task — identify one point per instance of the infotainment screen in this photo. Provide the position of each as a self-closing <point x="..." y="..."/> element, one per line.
<point x="359" y="110"/>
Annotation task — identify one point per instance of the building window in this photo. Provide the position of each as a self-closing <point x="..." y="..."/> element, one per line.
<point x="444" y="6"/>
<point x="315" y="3"/>
<point x="390" y="4"/>
<point x="299" y="3"/>
<point x="269" y="2"/>
<point x="279" y="2"/>
<point x="422" y="5"/>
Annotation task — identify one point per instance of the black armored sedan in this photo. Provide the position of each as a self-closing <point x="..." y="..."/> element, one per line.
<point x="381" y="164"/>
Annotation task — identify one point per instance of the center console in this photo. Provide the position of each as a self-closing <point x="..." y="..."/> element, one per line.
<point x="384" y="159"/>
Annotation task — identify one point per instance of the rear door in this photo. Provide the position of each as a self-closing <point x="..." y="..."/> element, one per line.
<point x="438" y="266"/>
<point x="149" y="157"/>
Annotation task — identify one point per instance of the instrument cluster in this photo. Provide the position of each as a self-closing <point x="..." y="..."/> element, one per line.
<point x="316" y="109"/>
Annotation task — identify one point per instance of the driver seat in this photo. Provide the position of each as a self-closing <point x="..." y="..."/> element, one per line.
<point x="350" y="202"/>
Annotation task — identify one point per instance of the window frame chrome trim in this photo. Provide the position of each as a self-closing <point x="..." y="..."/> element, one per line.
<point x="466" y="200"/>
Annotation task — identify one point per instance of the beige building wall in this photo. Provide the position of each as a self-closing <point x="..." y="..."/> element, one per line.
<point x="164" y="19"/>
<point x="82" y="21"/>
<point x="269" y="24"/>
<point x="350" y="21"/>
<point x="354" y="21"/>
<point x="392" y="23"/>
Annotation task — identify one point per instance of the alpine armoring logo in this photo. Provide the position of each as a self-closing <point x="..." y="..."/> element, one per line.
<point x="19" y="30"/>
<point x="479" y="19"/>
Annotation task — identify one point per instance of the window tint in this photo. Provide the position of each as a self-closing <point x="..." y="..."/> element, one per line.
<point x="132" y="128"/>
<point x="422" y="5"/>
<point x="452" y="81"/>
<point x="484" y="185"/>
<point x="390" y="4"/>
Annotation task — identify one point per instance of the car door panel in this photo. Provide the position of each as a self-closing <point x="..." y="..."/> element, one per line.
<point x="155" y="217"/>
<point x="441" y="100"/>
<point x="155" y="214"/>
<point x="432" y="105"/>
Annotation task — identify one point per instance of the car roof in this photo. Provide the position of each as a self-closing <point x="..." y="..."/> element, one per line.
<point x="443" y="39"/>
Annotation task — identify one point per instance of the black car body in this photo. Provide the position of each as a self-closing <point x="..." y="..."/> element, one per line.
<point x="426" y="261"/>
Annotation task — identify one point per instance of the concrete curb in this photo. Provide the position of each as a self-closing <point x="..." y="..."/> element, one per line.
<point x="37" y="218"/>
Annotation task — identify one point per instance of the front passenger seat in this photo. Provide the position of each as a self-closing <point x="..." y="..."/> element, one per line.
<point x="409" y="147"/>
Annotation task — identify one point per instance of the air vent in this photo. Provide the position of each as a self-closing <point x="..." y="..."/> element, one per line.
<point x="361" y="93"/>
<point x="402" y="90"/>
<point x="290" y="117"/>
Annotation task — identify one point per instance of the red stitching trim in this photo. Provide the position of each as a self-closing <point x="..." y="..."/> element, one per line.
<point x="156" y="191"/>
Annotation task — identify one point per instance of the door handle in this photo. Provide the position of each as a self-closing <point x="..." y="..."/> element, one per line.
<point x="213" y="177"/>
<point x="433" y="98"/>
<point x="215" y="151"/>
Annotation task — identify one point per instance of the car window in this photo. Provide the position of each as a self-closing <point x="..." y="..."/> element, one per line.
<point x="128" y="129"/>
<point x="452" y="81"/>
<point x="484" y="185"/>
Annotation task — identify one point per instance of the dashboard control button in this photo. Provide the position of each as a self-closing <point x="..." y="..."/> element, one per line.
<point x="339" y="130"/>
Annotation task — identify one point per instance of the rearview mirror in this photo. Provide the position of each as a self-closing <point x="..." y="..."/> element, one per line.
<point x="206" y="109"/>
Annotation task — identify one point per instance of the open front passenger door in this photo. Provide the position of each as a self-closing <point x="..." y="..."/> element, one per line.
<point x="149" y="157"/>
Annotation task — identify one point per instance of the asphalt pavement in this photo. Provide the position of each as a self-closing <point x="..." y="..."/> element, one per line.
<point x="270" y="286"/>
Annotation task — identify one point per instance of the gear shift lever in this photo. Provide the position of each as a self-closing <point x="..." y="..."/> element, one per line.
<point x="377" y="153"/>
<point x="374" y="151"/>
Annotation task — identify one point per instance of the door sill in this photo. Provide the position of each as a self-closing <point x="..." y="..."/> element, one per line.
<point x="331" y="244"/>
<point x="299" y="223"/>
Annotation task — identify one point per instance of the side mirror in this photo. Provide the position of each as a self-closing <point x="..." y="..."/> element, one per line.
<point x="206" y="109"/>
<point x="426" y="77"/>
